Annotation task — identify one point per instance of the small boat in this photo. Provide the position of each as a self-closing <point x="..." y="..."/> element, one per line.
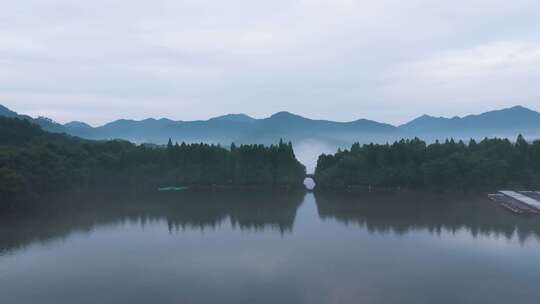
<point x="170" y="188"/>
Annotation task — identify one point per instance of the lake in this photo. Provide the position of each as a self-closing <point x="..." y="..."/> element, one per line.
<point x="268" y="247"/>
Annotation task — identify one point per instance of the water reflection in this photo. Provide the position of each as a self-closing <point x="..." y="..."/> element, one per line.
<point x="399" y="212"/>
<point x="267" y="247"/>
<point x="56" y="217"/>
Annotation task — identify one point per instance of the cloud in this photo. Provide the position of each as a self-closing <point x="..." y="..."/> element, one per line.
<point x="509" y="58"/>
<point x="343" y="59"/>
<point x="494" y="74"/>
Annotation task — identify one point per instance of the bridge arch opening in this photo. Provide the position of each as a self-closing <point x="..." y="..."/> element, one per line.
<point x="309" y="182"/>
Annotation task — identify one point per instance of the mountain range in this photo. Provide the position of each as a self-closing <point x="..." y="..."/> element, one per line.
<point x="241" y="128"/>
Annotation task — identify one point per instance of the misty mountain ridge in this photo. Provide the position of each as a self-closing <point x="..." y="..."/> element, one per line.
<point x="7" y="112"/>
<point x="241" y="128"/>
<point x="503" y="123"/>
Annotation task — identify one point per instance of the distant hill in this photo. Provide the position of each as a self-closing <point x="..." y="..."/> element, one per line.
<point x="241" y="128"/>
<point x="7" y="112"/>
<point x="44" y="122"/>
<point x="501" y="123"/>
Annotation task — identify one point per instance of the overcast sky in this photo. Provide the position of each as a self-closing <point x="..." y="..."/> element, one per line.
<point x="387" y="60"/>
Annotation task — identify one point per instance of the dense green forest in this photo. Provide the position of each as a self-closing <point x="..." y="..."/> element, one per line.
<point x="452" y="165"/>
<point x="33" y="161"/>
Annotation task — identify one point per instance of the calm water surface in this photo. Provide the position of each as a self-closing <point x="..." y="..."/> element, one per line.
<point x="268" y="248"/>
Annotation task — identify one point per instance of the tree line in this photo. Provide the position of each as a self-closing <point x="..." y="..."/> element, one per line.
<point x="34" y="161"/>
<point x="452" y="165"/>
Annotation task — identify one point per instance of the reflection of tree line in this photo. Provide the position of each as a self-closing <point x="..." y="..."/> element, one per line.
<point x="401" y="212"/>
<point x="55" y="218"/>
<point x="248" y="211"/>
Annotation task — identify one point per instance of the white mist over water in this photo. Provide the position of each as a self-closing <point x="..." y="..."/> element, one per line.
<point x="308" y="151"/>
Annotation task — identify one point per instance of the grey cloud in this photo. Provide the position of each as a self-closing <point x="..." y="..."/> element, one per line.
<point x="387" y="60"/>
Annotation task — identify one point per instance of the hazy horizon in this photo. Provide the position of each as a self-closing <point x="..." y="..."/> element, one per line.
<point x="173" y="118"/>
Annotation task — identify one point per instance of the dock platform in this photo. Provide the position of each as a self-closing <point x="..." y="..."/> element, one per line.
<point x="523" y="202"/>
<point x="532" y="194"/>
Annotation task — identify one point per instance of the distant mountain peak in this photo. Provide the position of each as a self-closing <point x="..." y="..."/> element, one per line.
<point x="514" y="109"/>
<point x="519" y="107"/>
<point x="498" y="122"/>
<point x="285" y="115"/>
<point x="422" y="119"/>
<point x="240" y="117"/>
<point x="426" y="116"/>
<point x="77" y="124"/>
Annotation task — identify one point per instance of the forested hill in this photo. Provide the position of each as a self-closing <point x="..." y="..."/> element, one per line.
<point x="453" y="165"/>
<point x="240" y="128"/>
<point x="34" y="161"/>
